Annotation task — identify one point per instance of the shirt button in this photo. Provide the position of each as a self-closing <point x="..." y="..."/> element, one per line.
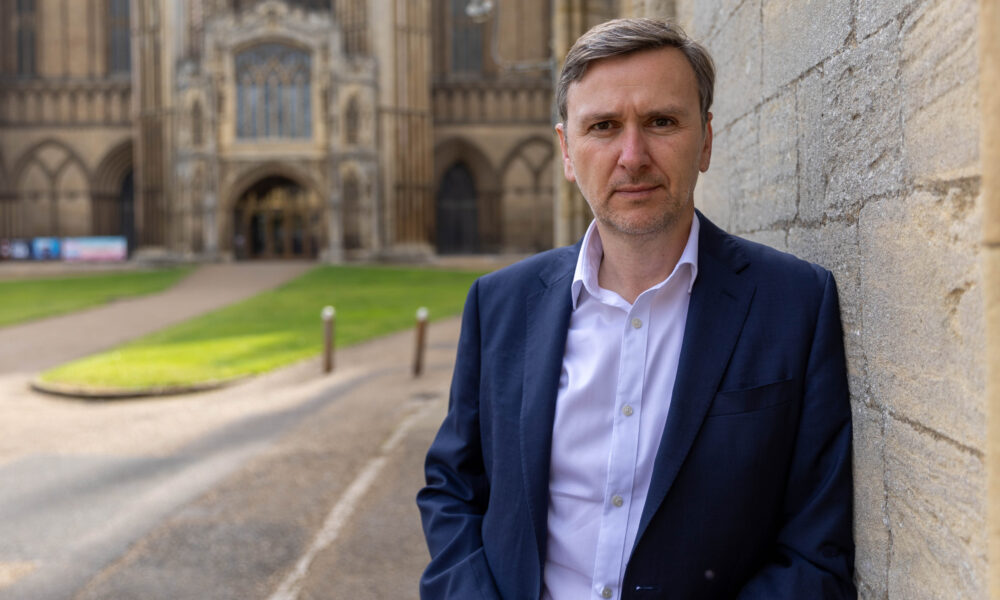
<point x="627" y="410"/>
<point x="617" y="500"/>
<point x="606" y="592"/>
<point x="637" y="323"/>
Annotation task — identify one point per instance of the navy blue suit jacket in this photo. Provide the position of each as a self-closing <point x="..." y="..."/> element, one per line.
<point x="751" y="488"/>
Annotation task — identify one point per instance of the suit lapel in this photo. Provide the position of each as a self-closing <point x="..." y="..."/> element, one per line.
<point x="718" y="307"/>
<point x="547" y="314"/>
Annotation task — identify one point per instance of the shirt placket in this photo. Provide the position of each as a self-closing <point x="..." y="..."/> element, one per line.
<point x="623" y="455"/>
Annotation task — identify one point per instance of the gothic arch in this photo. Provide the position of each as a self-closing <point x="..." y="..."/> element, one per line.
<point x="33" y="153"/>
<point x="540" y="167"/>
<point x="52" y="187"/>
<point x="252" y="174"/>
<point x="527" y="179"/>
<point x="488" y="187"/>
<point x="113" y="193"/>
<point x="112" y="169"/>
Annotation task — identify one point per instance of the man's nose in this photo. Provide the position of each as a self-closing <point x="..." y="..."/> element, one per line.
<point x="634" y="155"/>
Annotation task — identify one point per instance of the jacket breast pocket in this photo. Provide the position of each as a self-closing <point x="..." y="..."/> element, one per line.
<point x="759" y="397"/>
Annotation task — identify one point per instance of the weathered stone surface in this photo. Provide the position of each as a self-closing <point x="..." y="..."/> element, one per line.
<point x="941" y="139"/>
<point x="941" y="91"/>
<point x="871" y="532"/>
<point x="799" y="34"/>
<point x="814" y="148"/>
<point x="835" y="246"/>
<point x="734" y="176"/>
<point x="937" y="504"/>
<point x="777" y="200"/>
<point x="775" y="238"/>
<point x="873" y="15"/>
<point x="921" y="325"/>
<point x="938" y="42"/>
<point x="862" y="122"/>
<point x="849" y="131"/>
<point x="736" y="50"/>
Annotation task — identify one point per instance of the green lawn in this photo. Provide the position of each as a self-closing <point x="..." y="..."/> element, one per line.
<point x="27" y="299"/>
<point x="274" y="328"/>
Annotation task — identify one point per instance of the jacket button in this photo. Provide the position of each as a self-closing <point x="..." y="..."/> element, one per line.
<point x="710" y="574"/>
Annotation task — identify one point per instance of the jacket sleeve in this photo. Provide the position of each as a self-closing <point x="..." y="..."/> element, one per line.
<point x="814" y="553"/>
<point x="454" y="500"/>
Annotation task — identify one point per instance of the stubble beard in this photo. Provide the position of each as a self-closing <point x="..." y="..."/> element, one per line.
<point x="639" y="225"/>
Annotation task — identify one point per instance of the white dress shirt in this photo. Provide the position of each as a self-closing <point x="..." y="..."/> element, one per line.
<point x="614" y="394"/>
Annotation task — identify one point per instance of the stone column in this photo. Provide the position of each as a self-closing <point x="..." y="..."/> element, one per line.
<point x="989" y="90"/>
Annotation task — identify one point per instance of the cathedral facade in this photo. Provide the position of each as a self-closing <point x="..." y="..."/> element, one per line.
<point x="334" y="129"/>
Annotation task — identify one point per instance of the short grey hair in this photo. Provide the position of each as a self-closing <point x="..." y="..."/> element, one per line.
<point x="625" y="36"/>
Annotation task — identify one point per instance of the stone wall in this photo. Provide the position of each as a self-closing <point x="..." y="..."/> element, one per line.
<point x="847" y="132"/>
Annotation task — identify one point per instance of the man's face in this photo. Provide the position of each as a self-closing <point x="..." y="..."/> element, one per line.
<point x="634" y="142"/>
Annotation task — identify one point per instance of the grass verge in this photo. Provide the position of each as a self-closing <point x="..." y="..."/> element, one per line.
<point x="272" y="329"/>
<point x="28" y="299"/>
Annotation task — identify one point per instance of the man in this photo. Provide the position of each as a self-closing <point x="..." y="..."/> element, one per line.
<point x="660" y="411"/>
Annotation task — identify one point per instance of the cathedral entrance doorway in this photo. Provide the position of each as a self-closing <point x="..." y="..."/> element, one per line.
<point x="457" y="212"/>
<point x="277" y="218"/>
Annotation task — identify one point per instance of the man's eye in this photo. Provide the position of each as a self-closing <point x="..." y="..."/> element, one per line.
<point x="663" y="122"/>
<point x="602" y="126"/>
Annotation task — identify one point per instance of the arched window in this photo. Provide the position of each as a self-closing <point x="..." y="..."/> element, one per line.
<point x="197" y="125"/>
<point x="353" y="17"/>
<point x="466" y="41"/>
<point x="352" y="212"/>
<point x="352" y="121"/>
<point x="273" y="92"/>
<point x="26" y="44"/>
<point x="119" y="37"/>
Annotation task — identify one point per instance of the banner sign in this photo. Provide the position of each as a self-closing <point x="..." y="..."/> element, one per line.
<point x="45" y="248"/>
<point x="95" y="249"/>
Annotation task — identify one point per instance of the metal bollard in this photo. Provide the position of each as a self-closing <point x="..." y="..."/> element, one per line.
<point x="418" y="355"/>
<point x="328" y="315"/>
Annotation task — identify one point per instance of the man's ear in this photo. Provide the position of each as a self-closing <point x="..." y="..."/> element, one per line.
<point x="706" y="149"/>
<point x="564" y="145"/>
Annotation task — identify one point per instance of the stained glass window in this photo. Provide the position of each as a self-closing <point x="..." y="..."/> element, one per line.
<point x="273" y="92"/>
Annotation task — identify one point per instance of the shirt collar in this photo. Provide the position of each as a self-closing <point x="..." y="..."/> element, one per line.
<point x="592" y="250"/>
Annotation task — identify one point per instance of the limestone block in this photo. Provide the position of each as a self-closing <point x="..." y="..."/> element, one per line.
<point x="859" y="129"/>
<point x="777" y="200"/>
<point x="836" y="246"/>
<point x="871" y="532"/>
<point x="873" y="15"/>
<point x="736" y="50"/>
<point x="941" y="139"/>
<point x="814" y="149"/>
<point x="799" y="34"/>
<point x="775" y="238"/>
<point x="938" y="42"/>
<point x="939" y="71"/>
<point x="937" y="503"/>
<point x="922" y="308"/>
<point x="734" y="176"/>
<point x="711" y="198"/>
<point x="702" y="18"/>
